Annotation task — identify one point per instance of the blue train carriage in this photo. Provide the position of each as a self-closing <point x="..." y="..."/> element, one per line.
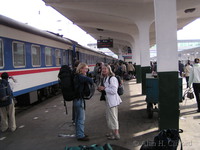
<point x="34" y="58"/>
<point x="91" y="57"/>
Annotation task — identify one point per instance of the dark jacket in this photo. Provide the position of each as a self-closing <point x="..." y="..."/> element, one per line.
<point x="80" y="81"/>
<point x="9" y="92"/>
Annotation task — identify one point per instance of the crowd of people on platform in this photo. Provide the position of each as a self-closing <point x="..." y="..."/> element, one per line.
<point x="126" y="70"/>
<point x="107" y="84"/>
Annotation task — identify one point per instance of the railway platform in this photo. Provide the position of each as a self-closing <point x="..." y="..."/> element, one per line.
<point x="46" y="126"/>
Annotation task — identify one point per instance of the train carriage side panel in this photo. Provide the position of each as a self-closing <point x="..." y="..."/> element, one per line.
<point x="12" y="33"/>
<point x="33" y="77"/>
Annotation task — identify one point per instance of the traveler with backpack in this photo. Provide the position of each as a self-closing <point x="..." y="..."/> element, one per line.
<point x="112" y="101"/>
<point x="7" y="109"/>
<point x="80" y="80"/>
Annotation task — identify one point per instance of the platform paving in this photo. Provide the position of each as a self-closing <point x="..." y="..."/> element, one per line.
<point x="46" y="126"/>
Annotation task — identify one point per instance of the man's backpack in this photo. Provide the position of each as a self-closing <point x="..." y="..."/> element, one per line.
<point x="120" y="89"/>
<point x="88" y="91"/>
<point x="5" y="93"/>
<point x="66" y="76"/>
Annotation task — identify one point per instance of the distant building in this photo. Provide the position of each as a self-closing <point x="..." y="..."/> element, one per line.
<point x="187" y="50"/>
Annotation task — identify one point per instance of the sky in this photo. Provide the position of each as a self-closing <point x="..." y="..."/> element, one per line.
<point x="37" y="14"/>
<point x="191" y="31"/>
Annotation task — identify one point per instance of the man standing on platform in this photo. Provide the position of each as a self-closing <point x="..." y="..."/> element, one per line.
<point x="7" y="108"/>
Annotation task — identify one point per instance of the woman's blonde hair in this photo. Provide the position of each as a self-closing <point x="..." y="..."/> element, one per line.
<point x="111" y="73"/>
<point x="80" y="66"/>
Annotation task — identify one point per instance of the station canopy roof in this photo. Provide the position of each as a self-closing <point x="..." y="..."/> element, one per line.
<point x="119" y="19"/>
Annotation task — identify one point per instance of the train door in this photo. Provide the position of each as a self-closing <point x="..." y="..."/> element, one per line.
<point x="58" y="57"/>
<point x="77" y="56"/>
<point x="70" y="57"/>
<point x="86" y="59"/>
<point x="1" y="54"/>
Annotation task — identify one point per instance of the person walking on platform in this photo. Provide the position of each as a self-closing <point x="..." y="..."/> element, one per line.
<point x="195" y="79"/>
<point x="79" y="103"/>
<point x="180" y="68"/>
<point x="97" y="73"/>
<point x="7" y="108"/>
<point x="130" y="69"/>
<point x="112" y="101"/>
<point x="187" y="72"/>
<point x="124" y="69"/>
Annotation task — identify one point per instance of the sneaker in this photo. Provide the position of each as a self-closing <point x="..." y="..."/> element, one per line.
<point x="83" y="139"/>
<point x="109" y="134"/>
<point x="114" y="137"/>
<point x="13" y="130"/>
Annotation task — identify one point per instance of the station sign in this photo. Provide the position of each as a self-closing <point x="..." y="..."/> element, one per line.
<point x="105" y="43"/>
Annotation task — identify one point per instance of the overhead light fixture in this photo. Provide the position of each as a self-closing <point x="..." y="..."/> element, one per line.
<point x="98" y="29"/>
<point x="190" y="10"/>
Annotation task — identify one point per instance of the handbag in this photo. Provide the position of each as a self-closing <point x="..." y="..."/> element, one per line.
<point x="103" y="94"/>
<point x="190" y="94"/>
<point x="120" y="90"/>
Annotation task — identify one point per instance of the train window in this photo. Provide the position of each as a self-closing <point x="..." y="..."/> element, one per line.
<point x="19" y="56"/>
<point x="36" y="55"/>
<point x="1" y="54"/>
<point x="64" y="57"/>
<point x="48" y="56"/>
<point x="58" y="57"/>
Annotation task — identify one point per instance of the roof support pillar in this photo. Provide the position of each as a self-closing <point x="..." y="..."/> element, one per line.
<point x="137" y="50"/>
<point x="167" y="63"/>
<point x="143" y="27"/>
<point x="137" y="59"/>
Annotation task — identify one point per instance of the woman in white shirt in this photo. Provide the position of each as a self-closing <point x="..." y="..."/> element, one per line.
<point x="112" y="101"/>
<point x="195" y="79"/>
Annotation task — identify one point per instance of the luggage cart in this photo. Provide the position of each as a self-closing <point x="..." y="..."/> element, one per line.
<point x="152" y="94"/>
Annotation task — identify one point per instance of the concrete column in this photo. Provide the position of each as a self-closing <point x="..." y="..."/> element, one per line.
<point x="143" y="27"/>
<point x="167" y="63"/>
<point x="137" y="59"/>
